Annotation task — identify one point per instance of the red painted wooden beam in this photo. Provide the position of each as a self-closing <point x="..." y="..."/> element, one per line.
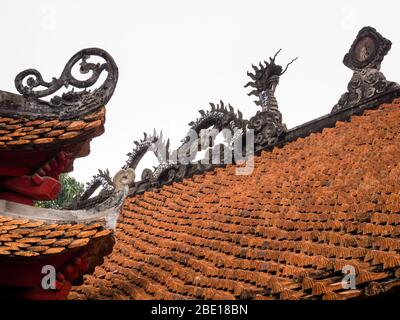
<point x="44" y="189"/>
<point x="22" y="279"/>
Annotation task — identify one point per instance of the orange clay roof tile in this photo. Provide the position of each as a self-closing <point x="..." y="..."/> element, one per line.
<point x="310" y="209"/>
<point x="26" y="238"/>
<point x="21" y="133"/>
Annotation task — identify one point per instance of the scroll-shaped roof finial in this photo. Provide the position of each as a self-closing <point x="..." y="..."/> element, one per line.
<point x="67" y="105"/>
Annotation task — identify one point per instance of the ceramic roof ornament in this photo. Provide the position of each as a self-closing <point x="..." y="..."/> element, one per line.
<point x="267" y="123"/>
<point x="364" y="58"/>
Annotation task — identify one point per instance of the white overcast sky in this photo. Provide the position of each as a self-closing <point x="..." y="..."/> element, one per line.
<point x="174" y="57"/>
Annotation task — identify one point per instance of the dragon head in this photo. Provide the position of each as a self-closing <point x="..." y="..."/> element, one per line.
<point x="265" y="77"/>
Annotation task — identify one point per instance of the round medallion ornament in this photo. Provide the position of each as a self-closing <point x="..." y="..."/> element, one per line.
<point x="367" y="50"/>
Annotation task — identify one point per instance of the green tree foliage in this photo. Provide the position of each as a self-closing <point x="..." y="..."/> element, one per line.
<point x="70" y="187"/>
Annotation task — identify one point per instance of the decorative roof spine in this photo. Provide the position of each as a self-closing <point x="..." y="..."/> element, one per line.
<point x="141" y="147"/>
<point x="170" y="168"/>
<point x="103" y="180"/>
<point x="364" y="58"/>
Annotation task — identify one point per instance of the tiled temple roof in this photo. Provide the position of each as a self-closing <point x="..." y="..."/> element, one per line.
<point x="34" y="241"/>
<point x="30" y="238"/>
<point x="323" y="200"/>
<point x="24" y="134"/>
<point x="286" y="231"/>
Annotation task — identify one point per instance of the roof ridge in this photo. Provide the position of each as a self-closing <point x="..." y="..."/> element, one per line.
<point x="314" y="126"/>
<point x="367" y="89"/>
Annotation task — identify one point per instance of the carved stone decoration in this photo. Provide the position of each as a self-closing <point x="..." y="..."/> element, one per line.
<point x="85" y="200"/>
<point x="221" y="116"/>
<point x="147" y="174"/>
<point x="169" y="172"/>
<point x="105" y="211"/>
<point x="102" y="179"/>
<point x="170" y="169"/>
<point x="110" y="194"/>
<point x="265" y="79"/>
<point x="121" y="182"/>
<point x="70" y="104"/>
<point x="367" y="51"/>
<point x="364" y="58"/>
<point x="268" y="128"/>
<point x="141" y="148"/>
<point x="267" y="124"/>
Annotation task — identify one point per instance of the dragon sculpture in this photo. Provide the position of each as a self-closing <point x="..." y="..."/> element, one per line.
<point x="148" y="143"/>
<point x="171" y="169"/>
<point x="85" y="200"/>
<point x="267" y="125"/>
<point x="103" y="179"/>
<point x="220" y="117"/>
